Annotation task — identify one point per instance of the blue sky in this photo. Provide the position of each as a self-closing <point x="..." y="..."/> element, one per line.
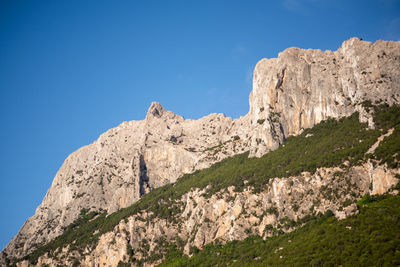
<point x="70" y="70"/>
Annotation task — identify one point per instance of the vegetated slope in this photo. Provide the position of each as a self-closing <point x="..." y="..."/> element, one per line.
<point x="330" y="143"/>
<point x="372" y="238"/>
<point x="388" y="150"/>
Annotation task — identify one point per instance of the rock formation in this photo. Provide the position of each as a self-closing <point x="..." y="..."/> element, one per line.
<point x="302" y="87"/>
<point x="290" y="93"/>
<point x="126" y="162"/>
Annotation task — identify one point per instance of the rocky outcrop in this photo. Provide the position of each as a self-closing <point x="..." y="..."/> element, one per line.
<point x="292" y="92"/>
<point x="302" y="87"/>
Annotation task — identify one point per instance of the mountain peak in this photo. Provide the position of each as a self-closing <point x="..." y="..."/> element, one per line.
<point x="155" y="110"/>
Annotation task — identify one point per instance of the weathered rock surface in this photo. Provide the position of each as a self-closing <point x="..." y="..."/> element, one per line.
<point x="292" y="92"/>
<point x="124" y="163"/>
<point x="302" y="87"/>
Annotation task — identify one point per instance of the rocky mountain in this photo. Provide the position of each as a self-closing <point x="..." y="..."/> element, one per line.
<point x="325" y="170"/>
<point x="291" y="94"/>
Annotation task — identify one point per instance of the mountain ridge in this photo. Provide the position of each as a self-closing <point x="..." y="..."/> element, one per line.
<point x="292" y="92"/>
<point x="241" y="196"/>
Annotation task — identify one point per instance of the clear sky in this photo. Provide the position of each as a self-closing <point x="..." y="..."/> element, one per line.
<point x="70" y="70"/>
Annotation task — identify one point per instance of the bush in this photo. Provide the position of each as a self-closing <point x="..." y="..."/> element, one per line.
<point x="193" y="250"/>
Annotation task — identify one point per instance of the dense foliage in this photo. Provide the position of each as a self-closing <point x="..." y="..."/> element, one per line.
<point x="329" y="143"/>
<point x="77" y="234"/>
<point x="389" y="149"/>
<point x="371" y="238"/>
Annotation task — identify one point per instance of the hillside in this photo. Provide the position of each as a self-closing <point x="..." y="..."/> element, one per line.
<point x="322" y="132"/>
<point x="371" y="238"/>
<point x="242" y="192"/>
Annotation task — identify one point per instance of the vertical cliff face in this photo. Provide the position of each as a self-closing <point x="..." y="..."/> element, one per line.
<point x="290" y="93"/>
<point x="302" y="87"/>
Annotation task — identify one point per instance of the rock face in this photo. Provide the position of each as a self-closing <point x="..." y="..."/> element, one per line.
<point x="125" y="163"/>
<point x="292" y="92"/>
<point x="302" y="87"/>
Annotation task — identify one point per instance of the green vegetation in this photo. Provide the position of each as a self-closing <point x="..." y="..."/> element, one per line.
<point x="77" y="234"/>
<point x="275" y="116"/>
<point x="367" y="105"/>
<point x="219" y="146"/>
<point x="389" y="149"/>
<point x="386" y="117"/>
<point x="331" y="143"/>
<point x="191" y="149"/>
<point x="123" y="264"/>
<point x="371" y="238"/>
<point x="173" y="139"/>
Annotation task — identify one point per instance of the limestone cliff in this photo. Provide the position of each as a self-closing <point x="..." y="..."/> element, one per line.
<point x="302" y="87"/>
<point x="290" y="93"/>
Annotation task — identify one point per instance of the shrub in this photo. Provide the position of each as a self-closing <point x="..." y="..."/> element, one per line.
<point x="193" y="250"/>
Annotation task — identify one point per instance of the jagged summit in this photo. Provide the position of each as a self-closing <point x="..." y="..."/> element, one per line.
<point x="155" y="110"/>
<point x="290" y="93"/>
